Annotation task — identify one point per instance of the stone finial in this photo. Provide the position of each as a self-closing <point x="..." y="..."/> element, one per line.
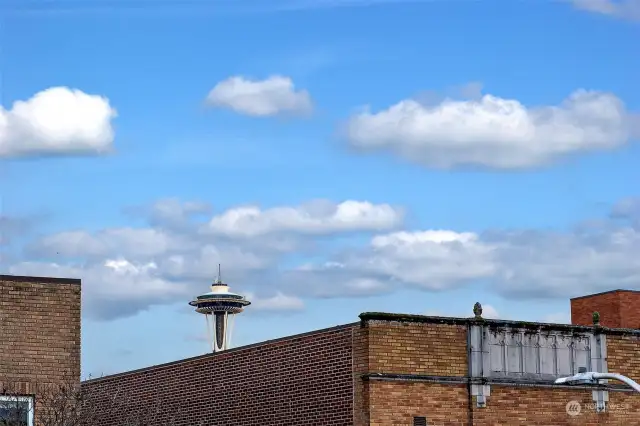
<point x="596" y="318"/>
<point x="477" y="310"/>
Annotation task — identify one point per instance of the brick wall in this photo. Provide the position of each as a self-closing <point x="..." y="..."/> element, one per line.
<point x="383" y="371"/>
<point x="396" y="403"/>
<point x="525" y="406"/>
<point x="617" y="309"/>
<point x="299" y="380"/>
<point x="39" y="332"/>
<point x="629" y="309"/>
<point x="623" y="355"/>
<point x="417" y="348"/>
<point x="421" y="369"/>
<point x="360" y="369"/>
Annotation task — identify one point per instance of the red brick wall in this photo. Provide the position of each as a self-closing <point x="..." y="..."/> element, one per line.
<point x="300" y="380"/>
<point x="630" y="309"/>
<point x="39" y="332"/>
<point x="617" y="309"/>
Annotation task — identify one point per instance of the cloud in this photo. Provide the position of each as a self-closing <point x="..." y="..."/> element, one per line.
<point x="13" y="226"/>
<point x="114" y="287"/>
<point x="433" y="260"/>
<point x="492" y="131"/>
<point x="172" y="257"/>
<point x="557" y="318"/>
<point x="565" y="264"/>
<point x="278" y="303"/>
<point x="430" y="259"/>
<point x="14" y="231"/>
<point x="628" y="208"/>
<point x="488" y="312"/>
<point x="202" y="264"/>
<point x="57" y="121"/>
<point x="260" y="98"/>
<point x="172" y="212"/>
<point x="515" y="264"/>
<point x="144" y="242"/>
<point x="332" y="279"/>
<point x="318" y="217"/>
<point x="125" y="270"/>
<point x="624" y="9"/>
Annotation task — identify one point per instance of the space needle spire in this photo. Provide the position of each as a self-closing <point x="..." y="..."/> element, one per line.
<point x="219" y="307"/>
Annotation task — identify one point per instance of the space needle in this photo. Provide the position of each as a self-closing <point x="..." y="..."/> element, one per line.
<point x="219" y="307"/>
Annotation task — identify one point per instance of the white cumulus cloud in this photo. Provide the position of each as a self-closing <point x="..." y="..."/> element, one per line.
<point x="260" y="98"/>
<point x="113" y="287"/>
<point x="493" y="131"/>
<point x="433" y="259"/>
<point x="57" y="121"/>
<point x="319" y="217"/>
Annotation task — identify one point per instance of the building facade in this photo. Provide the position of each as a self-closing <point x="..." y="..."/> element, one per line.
<point x="392" y="369"/>
<point x="386" y="369"/>
<point x="39" y="339"/>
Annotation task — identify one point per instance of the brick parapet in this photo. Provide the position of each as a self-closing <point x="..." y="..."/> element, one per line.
<point x="40" y="329"/>
<point x="300" y="380"/>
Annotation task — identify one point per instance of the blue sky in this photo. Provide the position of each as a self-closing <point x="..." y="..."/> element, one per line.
<point x="461" y="152"/>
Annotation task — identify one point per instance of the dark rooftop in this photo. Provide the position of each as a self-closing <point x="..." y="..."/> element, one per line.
<point x="39" y="280"/>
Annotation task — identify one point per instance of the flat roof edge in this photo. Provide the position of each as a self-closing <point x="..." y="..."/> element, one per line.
<point x="412" y="318"/>
<point x="602" y="293"/>
<point x="39" y="280"/>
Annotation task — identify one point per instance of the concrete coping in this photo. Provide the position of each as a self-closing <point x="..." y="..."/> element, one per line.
<point x="365" y="317"/>
<point x="39" y="280"/>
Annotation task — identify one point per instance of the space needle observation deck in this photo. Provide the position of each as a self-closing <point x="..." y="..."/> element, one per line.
<point x="219" y="307"/>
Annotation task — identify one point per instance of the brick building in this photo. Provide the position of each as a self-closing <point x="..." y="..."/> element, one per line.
<point x="386" y="369"/>
<point x="393" y="369"/>
<point x="39" y="338"/>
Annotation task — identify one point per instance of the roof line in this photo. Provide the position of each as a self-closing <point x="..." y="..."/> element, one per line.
<point x="605" y="292"/>
<point x="39" y="280"/>
<point x="412" y="318"/>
